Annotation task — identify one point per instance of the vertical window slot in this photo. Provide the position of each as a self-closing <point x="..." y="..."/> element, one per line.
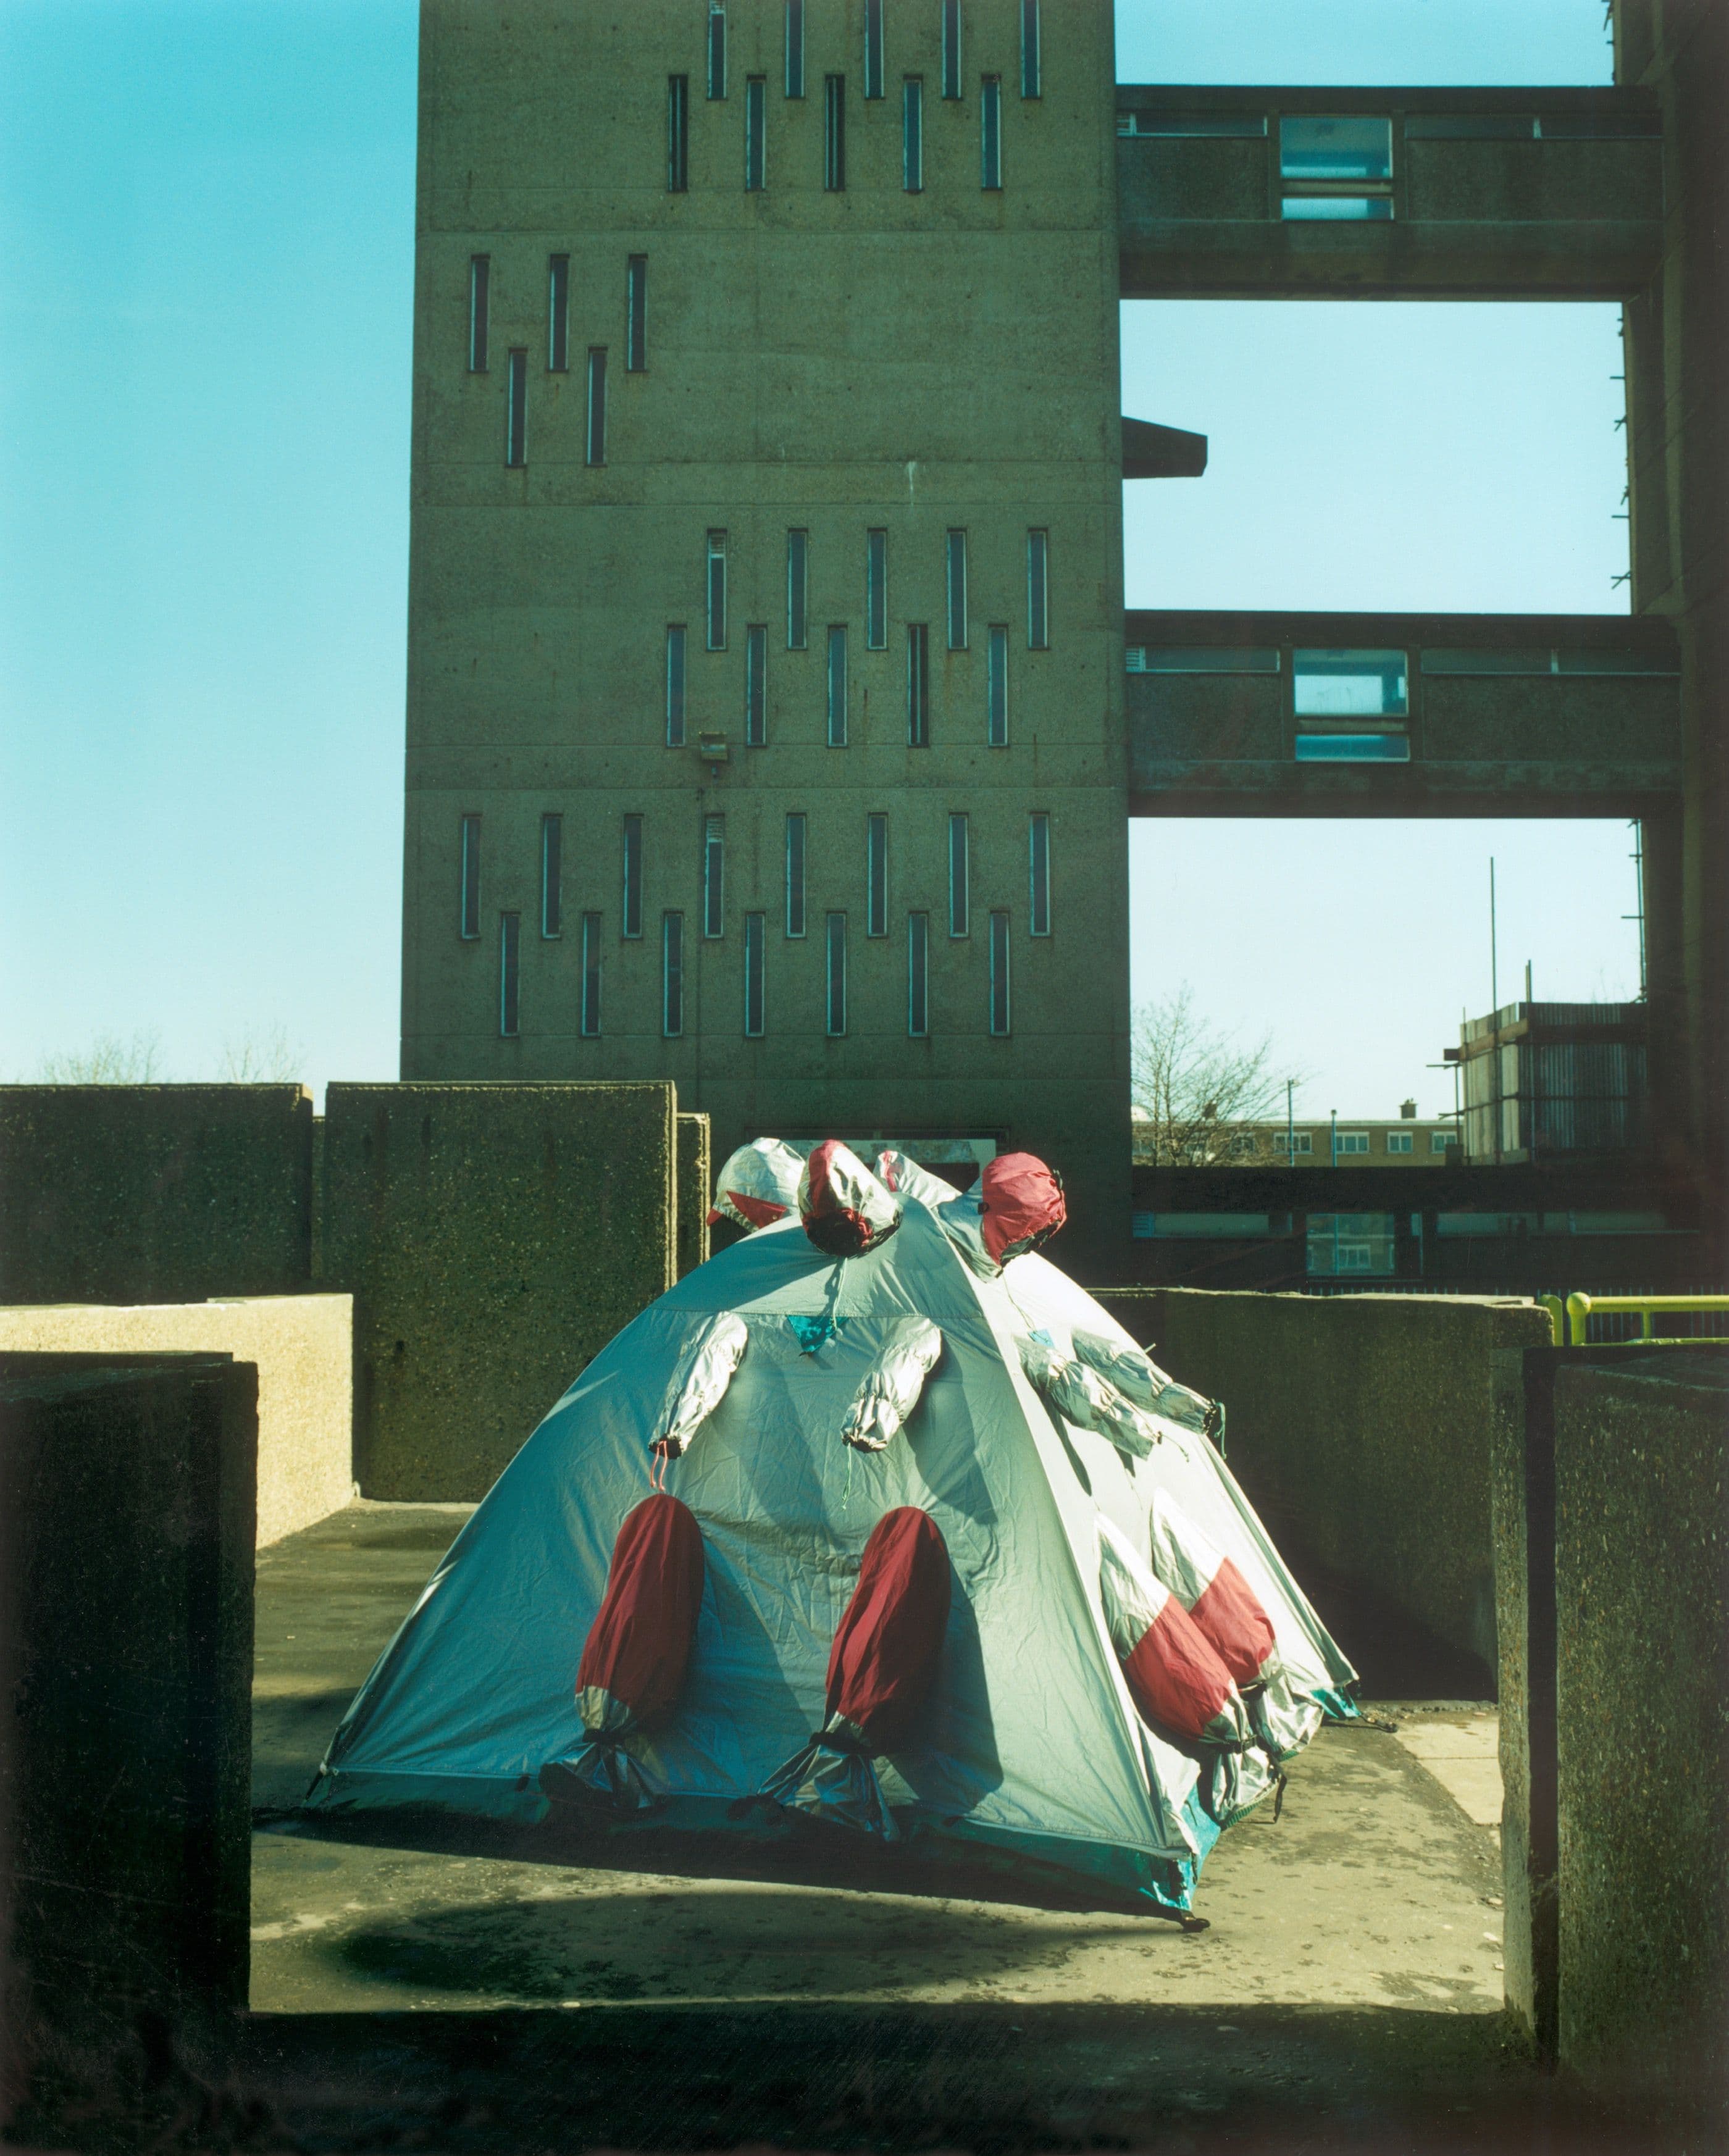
<point x="959" y="897"/>
<point x="990" y="132"/>
<point x="795" y="875"/>
<point x="918" y="685"/>
<point x="997" y="678"/>
<point x="509" y="975"/>
<point x="795" y="48"/>
<point x="957" y="563"/>
<point x="876" y="875"/>
<point x="1038" y="591"/>
<point x="636" y="314"/>
<point x="517" y="410"/>
<point x="755" y="134"/>
<point x="589" y="1016"/>
<point x="872" y="48"/>
<point x="798" y="589"/>
<point x="717" y="590"/>
<point x="678" y="133"/>
<point x="1038" y="872"/>
<point x="675" y="685"/>
<point x="557" y="314"/>
<point x="672" y="974"/>
<point x="1000" y="1010"/>
<point x="913" y="135"/>
<point x="467" y="897"/>
<point x="479" y="310"/>
<point x="631" y="921"/>
<point x="1032" y="67"/>
<point x="716" y="49"/>
<point x="837" y="687"/>
<point x="713" y="876"/>
<point x="551" y="876"/>
<point x="951" y="48"/>
<point x="876" y="591"/>
<point x="756" y="954"/>
<point x="597" y="404"/>
<point x="918" y="975"/>
<point x="836" y="939"/>
<point x="835" y="133"/>
<point x="756" y="686"/>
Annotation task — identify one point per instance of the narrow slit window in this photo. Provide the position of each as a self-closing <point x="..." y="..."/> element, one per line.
<point x="757" y="685"/>
<point x="997" y="689"/>
<point x="837" y="687"/>
<point x="636" y="314"/>
<point x="678" y="133"/>
<point x="797" y="590"/>
<point x="551" y="876"/>
<point x="713" y="876"/>
<point x="479" y="310"/>
<point x="836" y="937"/>
<point x="589" y="1016"/>
<point x="1000" y="1010"/>
<point x="795" y="48"/>
<point x="1038" y="591"/>
<point x="795" y="875"/>
<point x="918" y="975"/>
<point x="835" y="133"/>
<point x="876" y="591"/>
<point x="959" y="899"/>
<point x="517" y="410"/>
<point x="756" y="955"/>
<point x="467" y="897"/>
<point x="913" y="135"/>
<point x="632" y="919"/>
<point x="872" y="48"/>
<point x="597" y="404"/>
<point x="557" y="314"/>
<point x="1038" y="872"/>
<point x="876" y="875"/>
<point x="990" y="132"/>
<point x="717" y="590"/>
<point x="509" y="975"/>
<point x="675" y="685"/>
<point x="957" y="557"/>
<point x="716" y="49"/>
<point x="918" y="685"/>
<point x="1032" y="69"/>
<point x="951" y="49"/>
<point x="755" y="134"/>
<point x="672" y="974"/>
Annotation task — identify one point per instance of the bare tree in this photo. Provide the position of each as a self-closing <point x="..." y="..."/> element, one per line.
<point x="1197" y="1094"/>
<point x="108" y="1060"/>
<point x="262" y="1055"/>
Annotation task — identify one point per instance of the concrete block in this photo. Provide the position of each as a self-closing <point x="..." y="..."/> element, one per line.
<point x="125" y="1637"/>
<point x="154" y="1193"/>
<point x="494" y="1237"/>
<point x="695" y="1170"/>
<point x="302" y="1347"/>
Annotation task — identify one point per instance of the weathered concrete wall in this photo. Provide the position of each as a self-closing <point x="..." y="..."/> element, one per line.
<point x="494" y="1237"/>
<point x="1642" y="1640"/>
<point x="1367" y="1419"/>
<point x="695" y="1171"/>
<point x="303" y="1348"/>
<point x="125" y="1658"/>
<point x="154" y="1193"/>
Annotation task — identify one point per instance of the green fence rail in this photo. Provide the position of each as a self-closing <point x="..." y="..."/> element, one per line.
<point x="1570" y="1322"/>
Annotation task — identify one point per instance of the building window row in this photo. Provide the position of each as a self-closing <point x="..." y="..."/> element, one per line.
<point x="558" y="305"/>
<point x="875" y="52"/>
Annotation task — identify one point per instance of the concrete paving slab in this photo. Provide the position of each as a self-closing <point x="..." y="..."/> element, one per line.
<point x="1462" y="1751"/>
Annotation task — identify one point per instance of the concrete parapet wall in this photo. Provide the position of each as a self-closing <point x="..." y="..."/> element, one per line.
<point x="1365" y="1418"/>
<point x="154" y="1193"/>
<point x="303" y="1348"/>
<point x="494" y="1237"/>
<point x="696" y="1169"/>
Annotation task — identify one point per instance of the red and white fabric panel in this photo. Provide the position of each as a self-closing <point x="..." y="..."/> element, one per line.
<point x="638" y="1650"/>
<point x="758" y="1185"/>
<point x="1174" y="1677"/>
<point x="1213" y="1591"/>
<point x="889" y="1636"/>
<point x="1020" y="1204"/>
<point x="845" y="1211"/>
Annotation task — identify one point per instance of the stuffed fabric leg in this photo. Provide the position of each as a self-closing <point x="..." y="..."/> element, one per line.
<point x="636" y="1655"/>
<point x="1088" y="1400"/>
<point x="700" y="1379"/>
<point x="892" y="1385"/>
<point x="880" y="1671"/>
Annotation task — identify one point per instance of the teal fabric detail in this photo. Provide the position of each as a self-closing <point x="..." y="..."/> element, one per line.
<point x="814" y="1332"/>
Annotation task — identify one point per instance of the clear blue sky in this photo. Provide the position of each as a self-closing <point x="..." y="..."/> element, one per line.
<point x="207" y="207"/>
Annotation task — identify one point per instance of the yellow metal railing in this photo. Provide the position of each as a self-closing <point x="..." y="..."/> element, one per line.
<point x="1569" y="1323"/>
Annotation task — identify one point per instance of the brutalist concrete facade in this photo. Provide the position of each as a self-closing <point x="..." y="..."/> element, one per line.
<point x="830" y="360"/>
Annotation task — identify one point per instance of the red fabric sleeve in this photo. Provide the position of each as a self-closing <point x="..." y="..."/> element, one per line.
<point x="638" y="1646"/>
<point x="890" y="1635"/>
<point x="1230" y="1612"/>
<point x="1173" y="1675"/>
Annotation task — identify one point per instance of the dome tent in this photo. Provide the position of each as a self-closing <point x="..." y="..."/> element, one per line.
<point x="1040" y="1471"/>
